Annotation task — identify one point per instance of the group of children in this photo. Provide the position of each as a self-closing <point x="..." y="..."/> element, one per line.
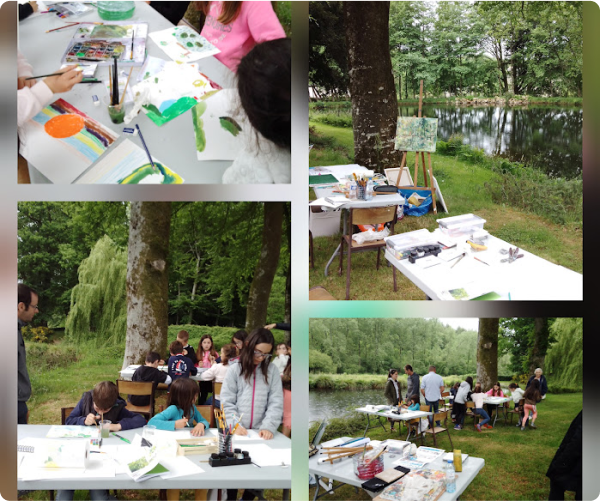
<point x="254" y="46"/>
<point x="252" y="392"/>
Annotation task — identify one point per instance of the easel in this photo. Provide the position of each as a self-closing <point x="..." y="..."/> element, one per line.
<point x="429" y="187"/>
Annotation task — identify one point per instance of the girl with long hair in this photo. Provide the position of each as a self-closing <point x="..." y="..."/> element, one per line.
<point x="532" y="396"/>
<point x="207" y="357"/>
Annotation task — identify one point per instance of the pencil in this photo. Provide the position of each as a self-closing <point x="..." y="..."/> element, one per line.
<point x="146" y="148"/>
<point x="63" y="27"/>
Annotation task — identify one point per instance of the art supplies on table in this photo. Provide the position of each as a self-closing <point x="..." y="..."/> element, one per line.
<point x="103" y="42"/>
<point x="429" y="454"/>
<point x="125" y="91"/>
<point x="140" y="463"/>
<point x="220" y="130"/>
<point x="69" y="9"/>
<point x="318" y="179"/>
<point x="127" y="163"/>
<point x="172" y="91"/>
<point x="385" y="478"/>
<point x="263" y="455"/>
<point x="197" y="445"/>
<point x="235" y="458"/>
<point x="183" y="44"/>
<point x="62" y="142"/>
<point x="72" y="432"/>
<point x="421" y="485"/>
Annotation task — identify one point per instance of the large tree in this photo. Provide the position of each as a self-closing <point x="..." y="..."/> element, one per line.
<point x="147" y="280"/>
<point x="374" y="101"/>
<point x="266" y="267"/>
<point x="487" y="352"/>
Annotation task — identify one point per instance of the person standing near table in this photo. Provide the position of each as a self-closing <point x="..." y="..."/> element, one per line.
<point x="432" y="386"/>
<point x="392" y="392"/>
<point x="566" y="469"/>
<point x="27" y="307"/>
<point x="412" y="382"/>
<point x="537" y="374"/>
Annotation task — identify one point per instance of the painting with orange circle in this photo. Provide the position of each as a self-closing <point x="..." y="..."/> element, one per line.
<point x="64" y="125"/>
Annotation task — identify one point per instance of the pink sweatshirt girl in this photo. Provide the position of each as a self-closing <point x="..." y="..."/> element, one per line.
<point x="256" y="23"/>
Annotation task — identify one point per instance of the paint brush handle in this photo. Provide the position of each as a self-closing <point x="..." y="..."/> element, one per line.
<point x="146" y="147"/>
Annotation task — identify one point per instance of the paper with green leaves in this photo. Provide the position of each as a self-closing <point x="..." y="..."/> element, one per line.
<point x="416" y="134"/>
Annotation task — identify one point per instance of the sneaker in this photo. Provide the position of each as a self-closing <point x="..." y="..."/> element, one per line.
<point x="518" y="425"/>
<point x="532" y="425"/>
<point x="488" y="426"/>
<point x="522" y="428"/>
<point x="457" y="428"/>
<point x="478" y="427"/>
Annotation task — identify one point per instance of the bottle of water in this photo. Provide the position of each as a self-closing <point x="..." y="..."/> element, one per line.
<point x="115" y="11"/>
<point x="450" y="477"/>
<point x="352" y="194"/>
<point x="369" y="190"/>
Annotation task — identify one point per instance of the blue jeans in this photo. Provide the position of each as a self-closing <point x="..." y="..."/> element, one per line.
<point x="95" y="495"/>
<point x="434" y="406"/>
<point x="483" y="414"/>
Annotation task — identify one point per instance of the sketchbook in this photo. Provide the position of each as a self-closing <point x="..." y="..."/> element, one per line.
<point x="103" y="42"/>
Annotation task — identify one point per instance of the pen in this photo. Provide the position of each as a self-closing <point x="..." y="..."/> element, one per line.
<point x="122" y="438"/>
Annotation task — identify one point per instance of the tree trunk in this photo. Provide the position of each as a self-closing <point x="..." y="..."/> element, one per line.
<point x="372" y="88"/>
<point x="194" y="288"/>
<point x="147" y="280"/>
<point x="288" y="276"/>
<point x="487" y="352"/>
<point x="539" y="344"/>
<point x="260" y="290"/>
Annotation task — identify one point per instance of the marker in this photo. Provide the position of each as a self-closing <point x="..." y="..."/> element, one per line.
<point x="122" y="438"/>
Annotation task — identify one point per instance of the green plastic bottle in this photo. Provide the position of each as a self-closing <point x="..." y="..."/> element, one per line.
<point x="115" y="11"/>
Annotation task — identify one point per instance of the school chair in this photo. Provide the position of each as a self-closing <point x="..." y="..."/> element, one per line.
<point x="216" y="390"/>
<point x="145" y="388"/>
<point x="319" y="293"/>
<point x="367" y="216"/>
<point x="65" y="412"/>
<point x="311" y="250"/>
<point x="518" y="412"/>
<point x="435" y="430"/>
<point x="207" y="412"/>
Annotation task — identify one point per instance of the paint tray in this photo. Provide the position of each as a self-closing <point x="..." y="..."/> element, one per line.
<point x="197" y="445"/>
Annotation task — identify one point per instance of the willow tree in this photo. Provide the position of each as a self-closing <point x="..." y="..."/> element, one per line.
<point x="564" y="360"/>
<point x="147" y="280"/>
<point x="266" y="267"/>
<point x="98" y="309"/>
<point x="372" y="89"/>
<point x="487" y="352"/>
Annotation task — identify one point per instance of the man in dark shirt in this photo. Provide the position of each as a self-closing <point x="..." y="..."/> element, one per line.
<point x="27" y="307"/>
<point x="412" y="382"/>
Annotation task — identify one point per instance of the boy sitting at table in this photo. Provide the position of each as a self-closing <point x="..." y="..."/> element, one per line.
<point x="178" y="364"/>
<point x="148" y="373"/>
<point x="103" y="402"/>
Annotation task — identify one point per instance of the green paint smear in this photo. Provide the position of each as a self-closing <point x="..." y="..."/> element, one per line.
<point x="190" y="44"/>
<point x="146" y="170"/>
<point x="184" y="35"/>
<point x="155" y="79"/>
<point x="198" y="44"/>
<point x="180" y="106"/>
<point x="205" y="96"/>
<point x="230" y="125"/>
<point x="193" y="35"/>
<point x="197" y="112"/>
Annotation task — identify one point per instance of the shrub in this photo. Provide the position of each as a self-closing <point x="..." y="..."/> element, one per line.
<point x="48" y="357"/>
<point x="220" y="335"/>
<point x="39" y="334"/>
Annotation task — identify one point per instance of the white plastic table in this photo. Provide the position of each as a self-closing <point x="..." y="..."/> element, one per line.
<point x="127" y="372"/>
<point x="530" y="278"/>
<point x="499" y="401"/>
<point x="174" y="143"/>
<point x="403" y="416"/>
<point x="232" y="477"/>
<point x="343" y="471"/>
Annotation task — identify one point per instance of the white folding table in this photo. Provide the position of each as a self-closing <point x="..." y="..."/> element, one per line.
<point x="530" y="278"/>
<point x="230" y="477"/>
<point x="343" y="471"/>
<point x="405" y="415"/>
<point x="174" y="143"/>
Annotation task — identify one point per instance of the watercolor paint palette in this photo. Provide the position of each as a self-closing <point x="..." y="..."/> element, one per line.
<point x="101" y="42"/>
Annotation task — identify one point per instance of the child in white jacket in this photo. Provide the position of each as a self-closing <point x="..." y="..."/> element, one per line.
<point x="217" y="372"/>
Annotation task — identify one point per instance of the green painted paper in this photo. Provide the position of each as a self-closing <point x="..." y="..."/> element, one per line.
<point x="416" y="134"/>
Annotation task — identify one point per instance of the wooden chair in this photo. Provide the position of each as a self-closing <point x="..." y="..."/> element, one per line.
<point x="435" y="430"/>
<point x="311" y="250"/>
<point x="65" y="412"/>
<point x="142" y="388"/>
<point x="374" y="216"/>
<point x="207" y="412"/>
<point x="469" y="412"/>
<point x="519" y="412"/>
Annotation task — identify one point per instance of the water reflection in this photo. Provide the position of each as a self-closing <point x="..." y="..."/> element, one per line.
<point x="330" y="404"/>
<point x="548" y="137"/>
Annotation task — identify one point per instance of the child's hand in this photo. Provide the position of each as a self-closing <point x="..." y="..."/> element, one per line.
<point x="23" y="82"/>
<point x="212" y="359"/>
<point x="241" y="431"/>
<point x="266" y="434"/>
<point x="185" y="352"/>
<point x="198" y="430"/>
<point x="115" y="427"/>
<point x="65" y="81"/>
<point x="90" y="419"/>
<point x="181" y="423"/>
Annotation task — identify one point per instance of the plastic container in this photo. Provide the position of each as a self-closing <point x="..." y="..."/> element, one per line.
<point x="365" y="468"/>
<point x="400" y="245"/>
<point x="225" y="443"/>
<point x="450" y="477"/>
<point x="324" y="223"/>
<point x="457" y="226"/>
<point x="352" y="195"/>
<point x="115" y="11"/>
<point x="369" y="190"/>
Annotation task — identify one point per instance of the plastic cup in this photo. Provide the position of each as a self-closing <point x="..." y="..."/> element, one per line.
<point x="105" y="428"/>
<point x="149" y="432"/>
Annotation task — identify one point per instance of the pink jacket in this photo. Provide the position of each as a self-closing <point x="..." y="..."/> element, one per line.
<point x="256" y="23"/>
<point x="490" y="393"/>
<point x="30" y="100"/>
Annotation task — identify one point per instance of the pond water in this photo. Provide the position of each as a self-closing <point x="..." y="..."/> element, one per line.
<point x="330" y="404"/>
<point x="549" y="137"/>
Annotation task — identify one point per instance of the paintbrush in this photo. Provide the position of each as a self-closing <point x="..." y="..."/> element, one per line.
<point x="126" y="84"/>
<point x="115" y="87"/>
<point x="50" y="75"/>
<point x="110" y="82"/>
<point x="146" y="148"/>
<point x="132" y="35"/>
<point x="63" y="27"/>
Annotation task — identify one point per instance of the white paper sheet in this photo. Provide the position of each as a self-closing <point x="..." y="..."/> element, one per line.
<point x="263" y="455"/>
<point x="179" y="466"/>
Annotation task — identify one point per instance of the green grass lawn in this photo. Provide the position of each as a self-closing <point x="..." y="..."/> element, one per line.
<point x="463" y="187"/>
<point x="515" y="461"/>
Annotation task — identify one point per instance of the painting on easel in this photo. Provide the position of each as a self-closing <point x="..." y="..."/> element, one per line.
<point x="416" y="134"/>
